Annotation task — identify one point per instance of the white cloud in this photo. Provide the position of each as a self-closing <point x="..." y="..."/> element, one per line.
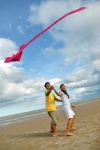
<point x="83" y="82"/>
<point x="96" y="64"/>
<point x="79" y="32"/>
<point x="7" y="47"/>
<point x="15" y="84"/>
<point x="55" y="81"/>
<point x="47" y="11"/>
<point x="80" y="35"/>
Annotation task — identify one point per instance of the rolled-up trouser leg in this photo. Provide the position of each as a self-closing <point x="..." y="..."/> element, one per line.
<point x="54" y="121"/>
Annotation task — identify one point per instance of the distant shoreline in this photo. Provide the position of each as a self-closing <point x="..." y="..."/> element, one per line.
<point x="16" y="118"/>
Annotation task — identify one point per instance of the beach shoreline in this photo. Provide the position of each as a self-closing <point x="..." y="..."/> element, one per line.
<point x="11" y="119"/>
<point x="33" y="132"/>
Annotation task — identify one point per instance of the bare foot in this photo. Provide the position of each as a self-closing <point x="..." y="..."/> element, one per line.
<point x="69" y="134"/>
<point x="54" y="134"/>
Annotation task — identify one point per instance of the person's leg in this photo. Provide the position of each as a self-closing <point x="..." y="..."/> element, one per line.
<point x="72" y="128"/>
<point x="51" y="125"/>
<point x="69" y="125"/>
<point x="71" y="119"/>
<point x="54" y="127"/>
<point x="53" y="122"/>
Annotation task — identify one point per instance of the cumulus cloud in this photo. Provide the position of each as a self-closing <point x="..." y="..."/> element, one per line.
<point x="77" y="32"/>
<point x="96" y="64"/>
<point x="82" y="82"/>
<point x="15" y="83"/>
<point x="80" y="35"/>
<point x="7" y="47"/>
<point x="47" y="11"/>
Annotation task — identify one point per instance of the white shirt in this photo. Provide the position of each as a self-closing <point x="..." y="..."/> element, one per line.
<point x="65" y="99"/>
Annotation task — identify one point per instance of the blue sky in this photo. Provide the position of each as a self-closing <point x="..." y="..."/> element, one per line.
<point x="68" y="53"/>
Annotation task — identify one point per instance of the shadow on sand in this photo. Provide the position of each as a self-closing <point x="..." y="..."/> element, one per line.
<point x="32" y="135"/>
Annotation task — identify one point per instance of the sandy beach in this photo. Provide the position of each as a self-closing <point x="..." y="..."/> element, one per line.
<point x="33" y="133"/>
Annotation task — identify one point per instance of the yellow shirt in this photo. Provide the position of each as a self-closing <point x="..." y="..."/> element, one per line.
<point x="50" y="102"/>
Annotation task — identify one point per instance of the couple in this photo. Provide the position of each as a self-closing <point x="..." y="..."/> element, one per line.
<point x="51" y="107"/>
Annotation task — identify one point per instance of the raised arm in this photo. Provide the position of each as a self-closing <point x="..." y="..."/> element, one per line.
<point x="49" y="91"/>
<point x="59" y="94"/>
<point x="58" y="100"/>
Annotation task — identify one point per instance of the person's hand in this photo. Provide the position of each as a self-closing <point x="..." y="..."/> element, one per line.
<point x="60" y="94"/>
<point x="52" y="87"/>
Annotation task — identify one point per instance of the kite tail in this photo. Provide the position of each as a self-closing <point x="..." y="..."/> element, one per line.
<point x="18" y="55"/>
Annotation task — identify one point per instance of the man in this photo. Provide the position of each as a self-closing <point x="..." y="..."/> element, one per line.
<point x="51" y="106"/>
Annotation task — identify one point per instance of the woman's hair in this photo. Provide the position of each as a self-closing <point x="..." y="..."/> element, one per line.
<point x="61" y="85"/>
<point x="46" y="84"/>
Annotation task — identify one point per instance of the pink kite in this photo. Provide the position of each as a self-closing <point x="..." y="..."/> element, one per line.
<point x="17" y="56"/>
